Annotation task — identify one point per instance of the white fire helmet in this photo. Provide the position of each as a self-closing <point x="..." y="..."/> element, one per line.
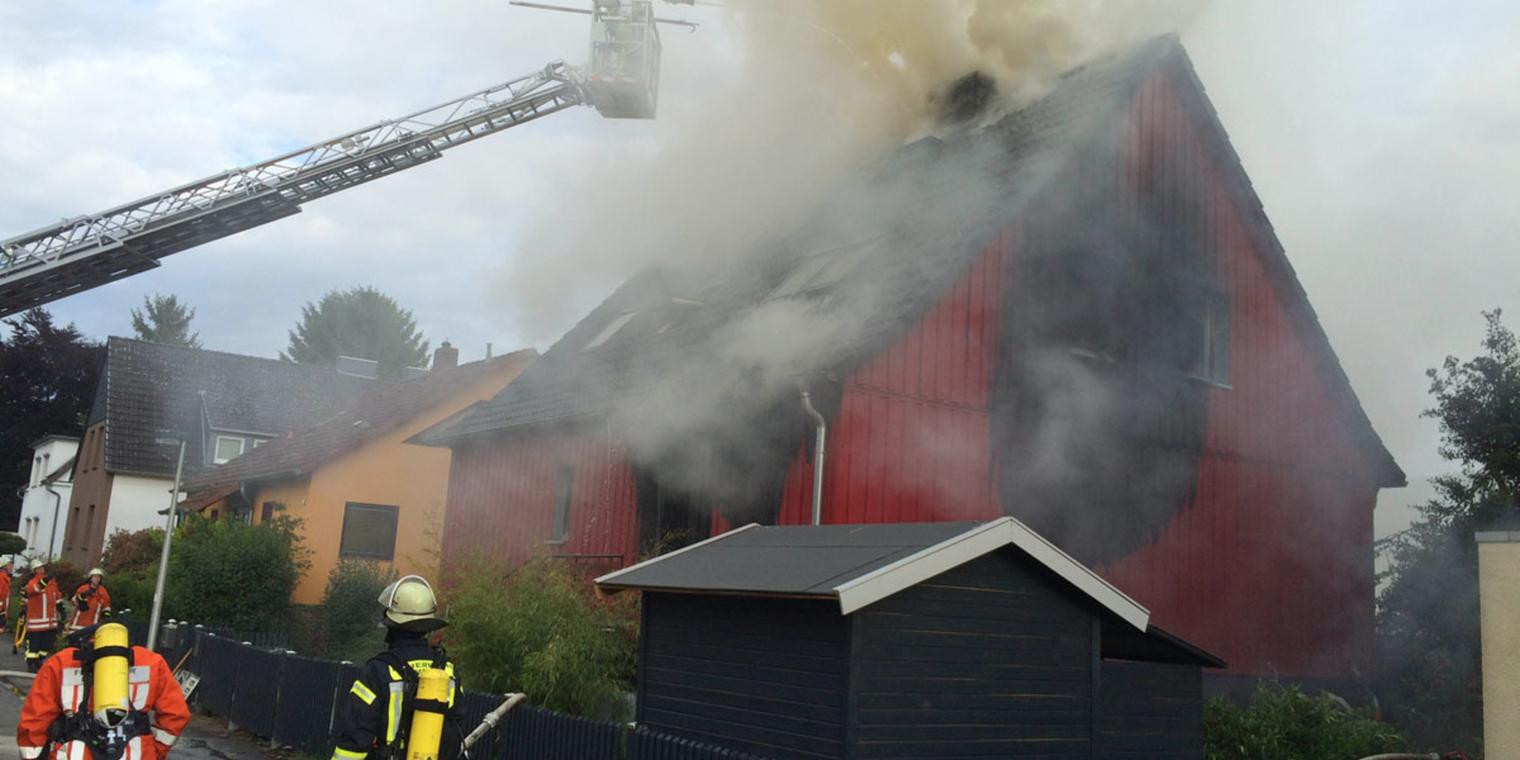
<point x="36" y="565"/>
<point x="410" y="602"/>
<point x="94" y="571"/>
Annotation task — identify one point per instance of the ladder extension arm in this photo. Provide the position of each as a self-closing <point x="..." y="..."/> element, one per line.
<point x="84" y="252"/>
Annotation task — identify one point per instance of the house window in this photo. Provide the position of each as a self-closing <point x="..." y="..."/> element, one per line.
<point x="369" y="531"/>
<point x="1213" y="364"/>
<point x="611" y="329"/>
<point x="257" y="442"/>
<point x="564" y="485"/>
<point x="228" y="447"/>
<point x="266" y="513"/>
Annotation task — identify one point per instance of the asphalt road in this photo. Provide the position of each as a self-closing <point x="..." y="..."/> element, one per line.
<point x="205" y="739"/>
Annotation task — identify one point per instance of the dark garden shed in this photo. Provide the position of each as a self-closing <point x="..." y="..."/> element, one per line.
<point x="964" y="640"/>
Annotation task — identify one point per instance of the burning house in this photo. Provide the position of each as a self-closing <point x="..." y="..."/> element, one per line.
<point x="1076" y="314"/>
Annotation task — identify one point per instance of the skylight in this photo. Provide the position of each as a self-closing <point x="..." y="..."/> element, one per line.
<point x="611" y="329"/>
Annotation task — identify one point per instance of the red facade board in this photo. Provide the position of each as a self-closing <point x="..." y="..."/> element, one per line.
<point x="1269" y="564"/>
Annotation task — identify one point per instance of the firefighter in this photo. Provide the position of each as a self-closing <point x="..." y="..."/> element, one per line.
<point x="101" y="698"/>
<point x="90" y="600"/>
<point x="42" y="615"/>
<point x="6" y="568"/>
<point x="375" y="717"/>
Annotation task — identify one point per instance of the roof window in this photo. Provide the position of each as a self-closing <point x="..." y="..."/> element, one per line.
<point x="611" y="329"/>
<point x="823" y="268"/>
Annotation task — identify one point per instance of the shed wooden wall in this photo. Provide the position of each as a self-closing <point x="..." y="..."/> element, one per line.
<point x="764" y="675"/>
<point x="993" y="659"/>
<point x="1149" y="711"/>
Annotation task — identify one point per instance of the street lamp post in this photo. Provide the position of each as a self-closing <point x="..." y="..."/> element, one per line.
<point x="163" y="557"/>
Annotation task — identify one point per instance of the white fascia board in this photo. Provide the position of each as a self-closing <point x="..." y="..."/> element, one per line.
<point x="958" y="550"/>
<point x="646" y="563"/>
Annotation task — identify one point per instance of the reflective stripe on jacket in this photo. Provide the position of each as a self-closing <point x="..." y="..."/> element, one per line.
<point x="94" y="604"/>
<point x="42" y="597"/>
<point x="370" y="714"/>
<point x="59" y="689"/>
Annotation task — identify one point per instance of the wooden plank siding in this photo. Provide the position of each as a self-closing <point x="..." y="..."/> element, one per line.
<point x="764" y="675"/>
<point x="1149" y="711"/>
<point x="502" y="498"/>
<point x="989" y="660"/>
<point x="1270" y="564"/>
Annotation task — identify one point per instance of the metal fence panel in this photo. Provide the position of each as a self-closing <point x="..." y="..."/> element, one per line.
<point x="257" y="691"/>
<point x="533" y="733"/>
<point x="217" y="659"/>
<point x="644" y="744"/>
<point x="303" y="718"/>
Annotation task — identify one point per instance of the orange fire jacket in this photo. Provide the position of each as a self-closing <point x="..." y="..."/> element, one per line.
<point x="100" y="600"/>
<point x="59" y="689"/>
<point x="41" y="604"/>
<point x="5" y="594"/>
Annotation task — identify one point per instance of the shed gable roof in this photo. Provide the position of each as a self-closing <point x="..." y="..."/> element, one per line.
<point x="856" y="564"/>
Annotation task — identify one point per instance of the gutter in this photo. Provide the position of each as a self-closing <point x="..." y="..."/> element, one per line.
<point x="821" y="436"/>
<point x="53" y="529"/>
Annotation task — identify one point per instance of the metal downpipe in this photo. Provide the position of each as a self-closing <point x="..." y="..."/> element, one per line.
<point x="820" y="439"/>
<point x="53" y="529"/>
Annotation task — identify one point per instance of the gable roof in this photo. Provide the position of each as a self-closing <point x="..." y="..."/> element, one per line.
<point x="149" y="390"/>
<point x="677" y="312"/>
<point x="379" y="410"/>
<point x="858" y="565"/>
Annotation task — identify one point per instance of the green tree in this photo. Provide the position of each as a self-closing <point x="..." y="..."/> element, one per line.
<point x="48" y="374"/>
<point x="1428" y="606"/>
<point x="230" y="573"/>
<point x="359" y="322"/>
<point x="164" y="319"/>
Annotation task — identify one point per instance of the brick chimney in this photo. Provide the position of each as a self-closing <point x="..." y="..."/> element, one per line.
<point x="445" y="357"/>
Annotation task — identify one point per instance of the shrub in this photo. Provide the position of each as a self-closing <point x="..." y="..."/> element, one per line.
<point x="133" y="551"/>
<point x="541" y="630"/>
<point x="11" y="543"/>
<point x="132" y="591"/>
<point x="1284" y="722"/>
<point x="350" y="611"/>
<point x="230" y="573"/>
<point x="65" y="574"/>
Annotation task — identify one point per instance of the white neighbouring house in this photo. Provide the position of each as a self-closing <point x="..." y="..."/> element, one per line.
<point x="45" y="501"/>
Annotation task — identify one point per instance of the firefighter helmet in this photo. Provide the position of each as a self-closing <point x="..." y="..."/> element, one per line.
<point x="36" y="565"/>
<point x="94" y="571"/>
<point x="410" y="602"/>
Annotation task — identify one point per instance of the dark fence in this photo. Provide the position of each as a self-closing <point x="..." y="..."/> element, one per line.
<point x="274" y="694"/>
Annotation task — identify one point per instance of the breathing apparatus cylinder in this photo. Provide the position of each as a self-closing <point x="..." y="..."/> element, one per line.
<point x="109" y="697"/>
<point x="426" y="733"/>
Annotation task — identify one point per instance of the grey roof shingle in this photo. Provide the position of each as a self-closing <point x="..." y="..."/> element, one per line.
<point x="149" y="391"/>
<point x="926" y="236"/>
<point x="377" y="411"/>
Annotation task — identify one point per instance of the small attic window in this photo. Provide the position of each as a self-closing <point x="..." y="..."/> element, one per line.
<point x="823" y="268"/>
<point x="611" y="329"/>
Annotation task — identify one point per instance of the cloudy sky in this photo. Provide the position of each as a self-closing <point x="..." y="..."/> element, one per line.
<point x="1381" y="134"/>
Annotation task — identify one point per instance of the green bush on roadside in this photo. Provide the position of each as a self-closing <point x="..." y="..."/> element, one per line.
<point x="350" y="610"/>
<point x="230" y="573"/>
<point x="1284" y="722"/>
<point x="540" y="629"/>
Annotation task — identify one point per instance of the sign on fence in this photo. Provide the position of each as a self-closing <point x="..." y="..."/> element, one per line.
<point x="187" y="682"/>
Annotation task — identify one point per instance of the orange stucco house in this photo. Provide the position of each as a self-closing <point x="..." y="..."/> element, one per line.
<point x="360" y="490"/>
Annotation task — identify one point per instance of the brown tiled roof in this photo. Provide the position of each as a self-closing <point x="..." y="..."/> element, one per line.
<point x="379" y="410"/>
<point x="150" y="391"/>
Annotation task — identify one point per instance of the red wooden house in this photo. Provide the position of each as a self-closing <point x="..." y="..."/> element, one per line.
<point x="1077" y="315"/>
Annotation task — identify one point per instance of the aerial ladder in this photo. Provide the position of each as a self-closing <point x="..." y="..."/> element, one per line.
<point x="621" y="82"/>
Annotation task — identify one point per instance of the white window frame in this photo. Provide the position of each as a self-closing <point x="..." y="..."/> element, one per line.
<point x="216" y="449"/>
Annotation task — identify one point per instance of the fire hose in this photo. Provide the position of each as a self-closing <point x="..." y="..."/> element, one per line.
<point x="491" y="719"/>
